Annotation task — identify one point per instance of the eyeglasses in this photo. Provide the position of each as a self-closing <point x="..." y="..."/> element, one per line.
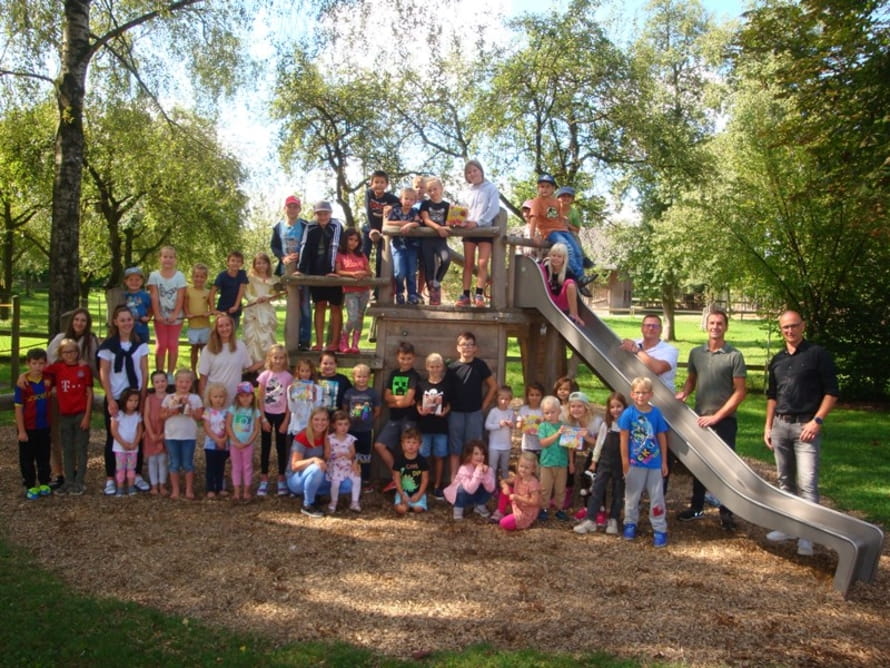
<point x="652" y="325"/>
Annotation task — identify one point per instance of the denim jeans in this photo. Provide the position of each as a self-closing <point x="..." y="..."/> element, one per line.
<point x="576" y="255"/>
<point x="404" y="261"/>
<point x="463" y="427"/>
<point x="477" y="498"/>
<point x="797" y="462"/>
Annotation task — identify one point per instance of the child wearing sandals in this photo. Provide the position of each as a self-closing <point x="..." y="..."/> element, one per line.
<point x="339" y="453"/>
<point x="523" y="492"/>
<point x="473" y="484"/>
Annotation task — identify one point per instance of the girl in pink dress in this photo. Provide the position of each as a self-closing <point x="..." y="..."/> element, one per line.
<point x="339" y="453"/>
<point x="523" y="492"/>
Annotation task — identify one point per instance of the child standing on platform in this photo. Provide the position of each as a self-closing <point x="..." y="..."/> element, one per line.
<point x="352" y="263"/>
<point x="126" y="428"/>
<point x="499" y="424"/>
<point x="197" y="310"/>
<point x="138" y="301"/>
<point x="260" y="322"/>
<point x="318" y="257"/>
<point x="473" y="484"/>
<point x="180" y="410"/>
<point x="153" y="440"/>
<point x="339" y="453"/>
<point x="272" y="387"/>
<point x="522" y="492"/>
<point x="73" y="381"/>
<point x="32" y="422"/>
<point x="230" y="285"/>
<point x="644" y="461"/>
<point x="434" y="250"/>
<point x="242" y="426"/>
<point x="167" y="288"/>
<point x="405" y="249"/>
<point x="482" y="211"/>
<point x="216" y="445"/>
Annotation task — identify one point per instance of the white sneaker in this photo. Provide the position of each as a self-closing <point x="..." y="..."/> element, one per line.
<point x="332" y="508"/>
<point x="141" y="485"/>
<point x="612" y="528"/>
<point x="587" y="526"/>
<point x="805" y="548"/>
<point x="263" y="489"/>
<point x="483" y="511"/>
<point x="110" y="488"/>
<point x="778" y="536"/>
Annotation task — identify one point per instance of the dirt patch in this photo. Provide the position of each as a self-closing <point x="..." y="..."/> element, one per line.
<point x="426" y="583"/>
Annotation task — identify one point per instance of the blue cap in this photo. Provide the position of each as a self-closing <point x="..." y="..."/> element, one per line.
<point x="566" y="190"/>
<point x="546" y="178"/>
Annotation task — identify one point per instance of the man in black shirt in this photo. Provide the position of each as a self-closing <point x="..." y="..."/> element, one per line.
<point x="801" y="391"/>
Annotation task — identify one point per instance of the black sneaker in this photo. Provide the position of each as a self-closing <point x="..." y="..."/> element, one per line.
<point x="727" y="523"/>
<point x="690" y="514"/>
<point x="585" y="291"/>
<point x="57" y="483"/>
<point x="312" y="511"/>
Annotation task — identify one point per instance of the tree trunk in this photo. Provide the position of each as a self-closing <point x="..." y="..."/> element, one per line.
<point x="668" y="306"/>
<point x="69" y="152"/>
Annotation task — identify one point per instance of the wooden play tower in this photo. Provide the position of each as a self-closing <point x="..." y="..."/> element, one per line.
<point x="435" y="328"/>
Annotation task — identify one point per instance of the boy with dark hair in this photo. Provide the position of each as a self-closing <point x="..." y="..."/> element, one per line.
<point x="32" y="424"/>
<point x="376" y="198"/>
<point x="410" y="475"/>
<point x="473" y="390"/>
<point x="399" y="397"/>
<point x="230" y="284"/>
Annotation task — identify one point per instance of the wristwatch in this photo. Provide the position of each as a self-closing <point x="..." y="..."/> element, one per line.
<point x="819" y="421"/>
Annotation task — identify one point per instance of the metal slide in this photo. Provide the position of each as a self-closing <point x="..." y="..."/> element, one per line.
<point x="857" y="543"/>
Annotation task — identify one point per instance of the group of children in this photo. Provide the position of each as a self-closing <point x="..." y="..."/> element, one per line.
<point x="439" y="417"/>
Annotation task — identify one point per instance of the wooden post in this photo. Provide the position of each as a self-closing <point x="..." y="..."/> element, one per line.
<point x="498" y="264"/>
<point x="16" y="340"/>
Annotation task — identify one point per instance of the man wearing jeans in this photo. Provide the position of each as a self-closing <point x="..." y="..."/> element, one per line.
<point x="801" y="392"/>
<point x="717" y="374"/>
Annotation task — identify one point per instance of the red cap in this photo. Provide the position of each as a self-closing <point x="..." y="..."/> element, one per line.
<point x="293" y="200"/>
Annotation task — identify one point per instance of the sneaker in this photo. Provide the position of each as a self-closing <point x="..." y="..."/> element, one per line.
<point x="457" y="514"/>
<point x="587" y="526"/>
<point x="332" y="508"/>
<point x="282" y="489"/>
<point x="389" y="487"/>
<point x="400" y="299"/>
<point x="439" y="494"/>
<point x="561" y="516"/>
<point x="355" y="507"/>
<point x="630" y="532"/>
<point x="263" y="489"/>
<point x="463" y="300"/>
<point x="727" y="523"/>
<point x="120" y="492"/>
<point x="496" y="516"/>
<point x="581" y="514"/>
<point x="479" y="301"/>
<point x="612" y="527"/>
<point x="712" y="500"/>
<point x="368" y="489"/>
<point x="312" y="511"/>
<point x="353" y="350"/>
<point x="132" y="491"/>
<point x="414" y="300"/>
<point x="58" y="483"/>
<point x="690" y="514"/>
<point x="584" y="291"/>
<point x="32" y="493"/>
<point x="44" y="490"/>
<point x="660" y="539"/>
<point x="804" y="548"/>
<point x="778" y="536"/>
<point x="141" y="484"/>
<point x="61" y="490"/>
<point x="601" y="518"/>
<point x="543" y="515"/>
<point x="77" y="489"/>
<point x="482" y="511"/>
<point x="435" y="296"/>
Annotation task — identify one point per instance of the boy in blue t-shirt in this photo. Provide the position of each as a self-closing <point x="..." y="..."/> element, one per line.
<point x="32" y="425"/>
<point x="138" y="301"/>
<point x="230" y="285"/>
<point x="644" y="460"/>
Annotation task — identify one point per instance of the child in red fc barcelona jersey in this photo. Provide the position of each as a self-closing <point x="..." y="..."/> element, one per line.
<point x="32" y="423"/>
